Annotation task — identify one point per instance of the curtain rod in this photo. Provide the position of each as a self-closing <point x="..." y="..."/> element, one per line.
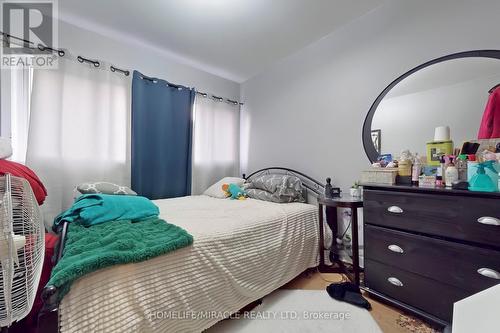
<point x="97" y="64"/>
<point x="60" y="52"/>
<point x="28" y="44"/>
<point x="204" y="94"/>
<point x="220" y="99"/>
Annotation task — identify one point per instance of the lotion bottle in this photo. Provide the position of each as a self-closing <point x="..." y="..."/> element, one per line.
<point x="416" y="170"/>
<point x="442" y="166"/>
<point x="461" y="165"/>
<point x="451" y="174"/>
<point x="440" y="172"/>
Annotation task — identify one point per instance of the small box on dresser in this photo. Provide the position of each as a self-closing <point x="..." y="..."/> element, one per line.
<point x="379" y="176"/>
<point x="426" y="248"/>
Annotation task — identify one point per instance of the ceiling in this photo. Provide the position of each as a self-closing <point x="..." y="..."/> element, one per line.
<point x="235" y="39"/>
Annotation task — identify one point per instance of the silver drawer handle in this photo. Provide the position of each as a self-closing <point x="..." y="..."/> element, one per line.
<point x="395" y="248"/>
<point x="489" y="273"/>
<point x="395" y="281"/>
<point x="489" y="220"/>
<point x="395" y="210"/>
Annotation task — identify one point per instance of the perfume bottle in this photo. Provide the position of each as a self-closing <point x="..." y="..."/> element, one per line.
<point x="416" y="170"/>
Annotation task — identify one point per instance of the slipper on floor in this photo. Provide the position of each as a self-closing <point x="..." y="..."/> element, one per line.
<point x="348" y="292"/>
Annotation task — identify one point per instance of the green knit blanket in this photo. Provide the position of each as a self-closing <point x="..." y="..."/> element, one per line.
<point x="88" y="249"/>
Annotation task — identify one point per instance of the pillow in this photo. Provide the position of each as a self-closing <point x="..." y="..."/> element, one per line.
<point x="285" y="188"/>
<point x="264" y="195"/>
<point x="246" y="186"/>
<point x="216" y="191"/>
<point x="104" y="188"/>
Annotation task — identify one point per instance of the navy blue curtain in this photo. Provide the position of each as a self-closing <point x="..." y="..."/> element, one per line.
<point x="161" y="138"/>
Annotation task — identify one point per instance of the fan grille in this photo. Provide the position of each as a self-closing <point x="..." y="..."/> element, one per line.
<point x="22" y="236"/>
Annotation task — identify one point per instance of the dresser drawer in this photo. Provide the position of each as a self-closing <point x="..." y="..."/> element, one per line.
<point x="466" y="267"/>
<point x="456" y="217"/>
<point x="422" y="293"/>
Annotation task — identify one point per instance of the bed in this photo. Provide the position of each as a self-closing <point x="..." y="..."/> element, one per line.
<point x="242" y="251"/>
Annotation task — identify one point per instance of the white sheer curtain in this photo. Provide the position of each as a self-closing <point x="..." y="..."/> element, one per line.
<point x="216" y="142"/>
<point x="20" y="80"/>
<point x="15" y="85"/>
<point x="79" y="129"/>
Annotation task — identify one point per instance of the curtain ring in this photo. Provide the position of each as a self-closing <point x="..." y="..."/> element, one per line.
<point x="150" y="79"/>
<point x="94" y="62"/>
<point x="60" y="53"/>
<point x="116" y="69"/>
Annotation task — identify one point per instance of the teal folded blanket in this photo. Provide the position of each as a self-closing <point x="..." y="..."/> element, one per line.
<point x="91" y="209"/>
<point x="88" y="249"/>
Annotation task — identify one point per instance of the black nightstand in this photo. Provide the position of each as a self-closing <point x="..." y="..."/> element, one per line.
<point x="331" y="205"/>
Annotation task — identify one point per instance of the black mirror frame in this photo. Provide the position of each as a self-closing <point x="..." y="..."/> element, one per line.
<point x="370" y="150"/>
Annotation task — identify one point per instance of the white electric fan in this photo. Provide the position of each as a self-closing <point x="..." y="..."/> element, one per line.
<point x="22" y="248"/>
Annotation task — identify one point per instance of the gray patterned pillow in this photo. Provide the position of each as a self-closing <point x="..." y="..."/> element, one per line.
<point x="283" y="188"/>
<point x="104" y="188"/>
<point x="264" y="195"/>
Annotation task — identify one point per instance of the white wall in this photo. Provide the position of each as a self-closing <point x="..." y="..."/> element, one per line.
<point x="408" y="121"/>
<point x="148" y="60"/>
<point x="307" y="111"/>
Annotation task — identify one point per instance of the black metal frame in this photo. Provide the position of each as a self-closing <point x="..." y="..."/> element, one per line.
<point x="48" y="319"/>
<point x="312" y="185"/>
<point x="370" y="150"/>
<point x="493" y="88"/>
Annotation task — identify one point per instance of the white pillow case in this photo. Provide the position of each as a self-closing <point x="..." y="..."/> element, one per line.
<point x="216" y="189"/>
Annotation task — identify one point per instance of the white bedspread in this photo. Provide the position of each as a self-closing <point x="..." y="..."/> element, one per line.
<point x="242" y="251"/>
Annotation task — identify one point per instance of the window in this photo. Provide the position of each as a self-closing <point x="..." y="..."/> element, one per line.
<point x="16" y="86"/>
<point x="216" y="142"/>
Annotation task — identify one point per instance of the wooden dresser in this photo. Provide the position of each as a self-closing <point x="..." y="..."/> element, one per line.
<point x="428" y="248"/>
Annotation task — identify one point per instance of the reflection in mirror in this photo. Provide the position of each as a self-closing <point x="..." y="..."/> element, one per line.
<point x="376" y="139"/>
<point x="452" y="93"/>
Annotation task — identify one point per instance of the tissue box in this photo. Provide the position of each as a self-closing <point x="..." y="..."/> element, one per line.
<point x="427" y="181"/>
<point x="385" y="176"/>
<point x="435" y="149"/>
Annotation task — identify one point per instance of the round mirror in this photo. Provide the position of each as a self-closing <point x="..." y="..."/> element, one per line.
<point x="449" y="91"/>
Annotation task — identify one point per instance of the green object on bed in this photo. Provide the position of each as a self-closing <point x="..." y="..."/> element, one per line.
<point x="91" y="209"/>
<point x="88" y="249"/>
